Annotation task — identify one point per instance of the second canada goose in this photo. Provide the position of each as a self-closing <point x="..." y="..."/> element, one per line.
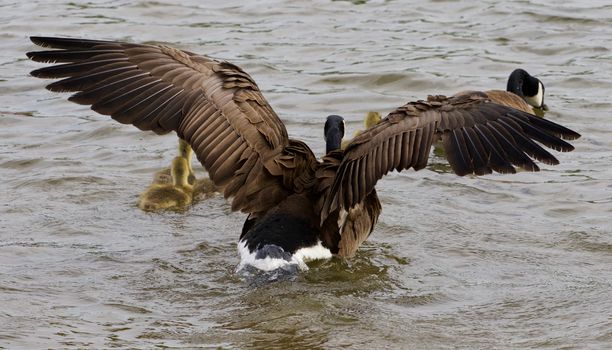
<point x="176" y="195"/>
<point x="298" y="207"/>
<point x="523" y="92"/>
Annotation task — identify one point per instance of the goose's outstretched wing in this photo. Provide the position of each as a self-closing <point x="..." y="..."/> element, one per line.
<point x="215" y="106"/>
<point x="479" y="137"/>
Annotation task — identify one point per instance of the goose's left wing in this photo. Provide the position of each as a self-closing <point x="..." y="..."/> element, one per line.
<point x="479" y="137"/>
<point x="213" y="105"/>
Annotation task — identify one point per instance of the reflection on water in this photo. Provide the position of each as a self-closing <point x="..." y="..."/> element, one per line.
<point x="498" y="261"/>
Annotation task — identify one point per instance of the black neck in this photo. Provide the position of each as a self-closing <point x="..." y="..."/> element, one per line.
<point x="333" y="139"/>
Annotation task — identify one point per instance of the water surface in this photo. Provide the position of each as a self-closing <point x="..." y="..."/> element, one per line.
<point x="499" y="261"/>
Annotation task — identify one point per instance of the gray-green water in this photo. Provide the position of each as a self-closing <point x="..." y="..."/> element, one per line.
<point x="500" y="261"/>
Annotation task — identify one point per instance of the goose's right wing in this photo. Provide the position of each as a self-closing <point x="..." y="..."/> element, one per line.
<point x="479" y="137"/>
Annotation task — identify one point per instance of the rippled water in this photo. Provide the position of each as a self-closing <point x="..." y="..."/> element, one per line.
<point x="498" y="261"/>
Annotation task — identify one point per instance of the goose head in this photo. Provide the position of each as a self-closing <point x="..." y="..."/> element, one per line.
<point x="528" y="87"/>
<point x="334" y="132"/>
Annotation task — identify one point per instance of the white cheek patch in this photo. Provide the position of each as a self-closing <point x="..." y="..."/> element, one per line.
<point x="538" y="99"/>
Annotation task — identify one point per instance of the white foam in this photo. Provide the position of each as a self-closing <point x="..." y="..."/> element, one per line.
<point x="299" y="258"/>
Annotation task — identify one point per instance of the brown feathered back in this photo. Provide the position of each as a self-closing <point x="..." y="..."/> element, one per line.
<point x="501" y="97"/>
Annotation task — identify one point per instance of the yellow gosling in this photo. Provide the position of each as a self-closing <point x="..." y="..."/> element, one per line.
<point x="186" y="152"/>
<point x="175" y="196"/>
<point x="163" y="176"/>
<point x="371" y="119"/>
<point x="204" y="189"/>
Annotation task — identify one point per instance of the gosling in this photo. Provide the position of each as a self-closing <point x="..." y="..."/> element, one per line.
<point x="175" y="196"/>
<point x="371" y="119"/>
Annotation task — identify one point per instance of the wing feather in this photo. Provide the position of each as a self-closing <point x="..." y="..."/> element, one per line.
<point x="215" y="106"/>
<point x="477" y="151"/>
<point x="478" y="136"/>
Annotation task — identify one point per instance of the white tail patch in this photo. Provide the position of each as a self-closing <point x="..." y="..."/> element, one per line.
<point x="299" y="258"/>
<point x="315" y="252"/>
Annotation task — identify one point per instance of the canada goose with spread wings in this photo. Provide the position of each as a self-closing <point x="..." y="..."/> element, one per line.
<point x="298" y="207"/>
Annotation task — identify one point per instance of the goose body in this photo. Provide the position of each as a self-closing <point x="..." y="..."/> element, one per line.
<point x="298" y="207"/>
